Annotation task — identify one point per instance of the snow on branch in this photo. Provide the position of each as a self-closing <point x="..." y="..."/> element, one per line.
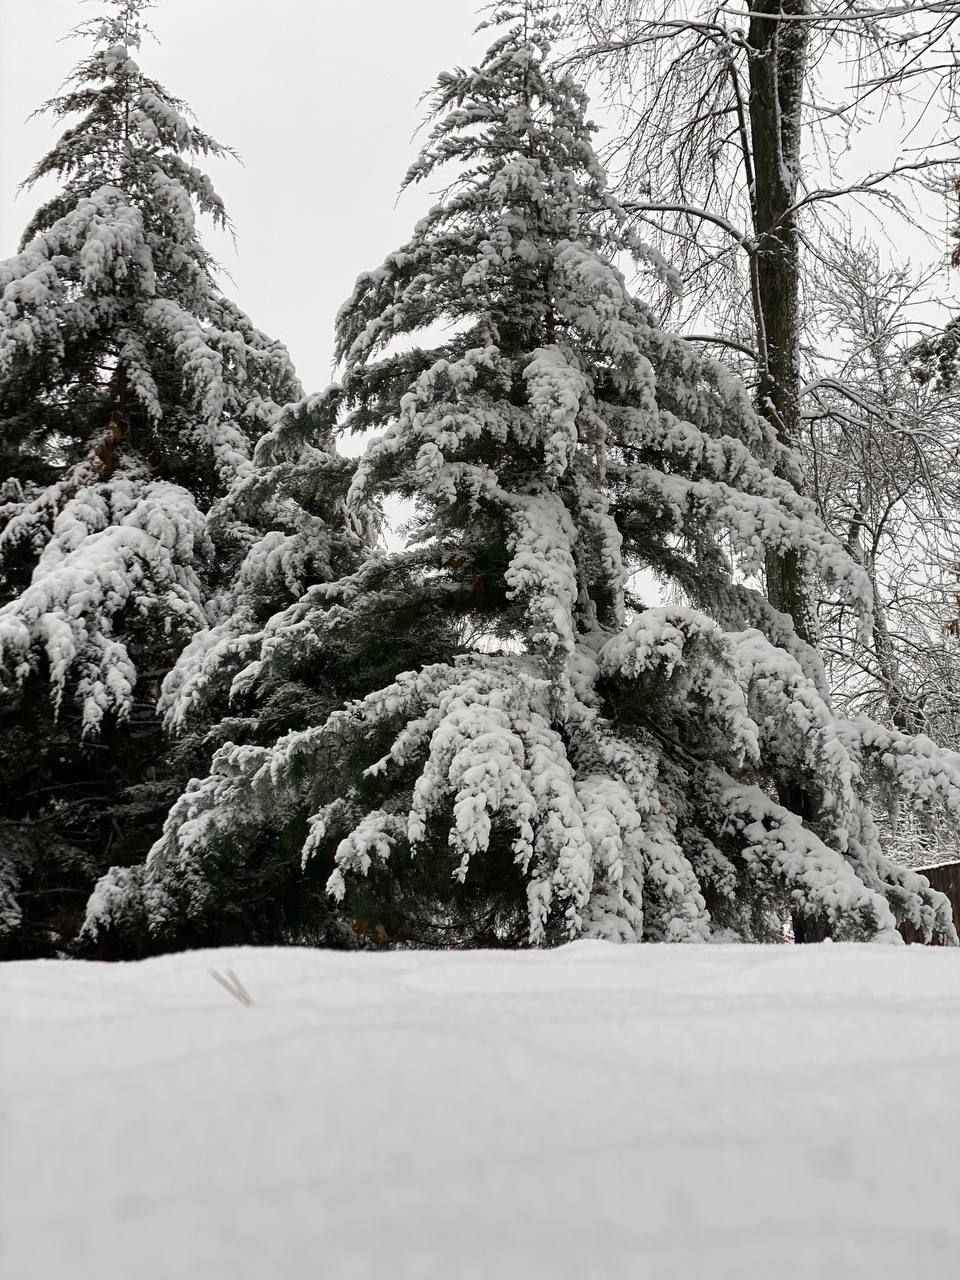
<point x="115" y="553"/>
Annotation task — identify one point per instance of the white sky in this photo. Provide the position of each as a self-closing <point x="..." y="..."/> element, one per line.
<point x="319" y="97"/>
<point x="321" y="100"/>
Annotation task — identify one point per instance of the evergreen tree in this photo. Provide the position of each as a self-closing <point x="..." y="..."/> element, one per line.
<point x="265" y="640"/>
<point x="525" y="748"/>
<point x="131" y="392"/>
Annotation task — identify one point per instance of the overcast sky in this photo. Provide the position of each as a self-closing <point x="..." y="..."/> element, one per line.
<point x="321" y="100"/>
<point x="319" y="97"/>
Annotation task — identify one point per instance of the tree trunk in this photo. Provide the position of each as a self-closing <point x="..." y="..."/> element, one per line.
<point x="777" y="62"/>
<point x="778" y="57"/>
<point x="105" y="448"/>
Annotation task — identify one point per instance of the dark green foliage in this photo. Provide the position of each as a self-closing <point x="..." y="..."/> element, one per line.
<point x="131" y="393"/>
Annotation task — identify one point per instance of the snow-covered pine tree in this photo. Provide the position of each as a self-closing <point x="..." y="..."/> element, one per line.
<point x="131" y="392"/>
<point x="546" y="747"/>
<point x="262" y="670"/>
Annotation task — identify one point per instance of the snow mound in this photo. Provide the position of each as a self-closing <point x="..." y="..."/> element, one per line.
<point x="593" y="1111"/>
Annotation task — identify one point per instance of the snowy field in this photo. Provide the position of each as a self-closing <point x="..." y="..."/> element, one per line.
<point x="598" y="1111"/>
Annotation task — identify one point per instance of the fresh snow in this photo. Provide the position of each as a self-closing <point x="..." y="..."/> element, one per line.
<point x="591" y="1112"/>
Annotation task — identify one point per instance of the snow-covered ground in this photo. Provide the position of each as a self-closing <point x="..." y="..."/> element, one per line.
<point x="599" y="1111"/>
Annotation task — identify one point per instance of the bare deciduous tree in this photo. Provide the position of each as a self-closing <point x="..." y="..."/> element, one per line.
<point x="884" y="446"/>
<point x="738" y="153"/>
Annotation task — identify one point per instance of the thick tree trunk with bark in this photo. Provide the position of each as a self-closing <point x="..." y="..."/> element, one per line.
<point x="778" y="55"/>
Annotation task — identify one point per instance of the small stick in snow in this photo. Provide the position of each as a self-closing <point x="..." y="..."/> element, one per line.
<point x="233" y="984"/>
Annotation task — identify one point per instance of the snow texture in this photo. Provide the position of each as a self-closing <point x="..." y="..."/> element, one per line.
<point x="594" y="1111"/>
<point x="118" y="547"/>
<point x="113" y="266"/>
